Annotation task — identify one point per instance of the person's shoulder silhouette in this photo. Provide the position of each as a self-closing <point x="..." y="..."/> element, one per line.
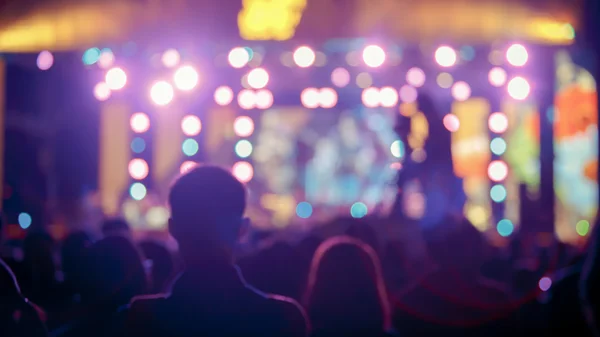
<point x="211" y="298"/>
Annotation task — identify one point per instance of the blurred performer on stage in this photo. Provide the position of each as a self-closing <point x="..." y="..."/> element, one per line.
<point x="439" y="191"/>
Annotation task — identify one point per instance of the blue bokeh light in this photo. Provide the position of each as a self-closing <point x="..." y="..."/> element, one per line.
<point x="304" y="210"/>
<point x="505" y="227"/>
<point x="358" y="210"/>
<point x="498" y="146"/>
<point x="190" y="147"/>
<point x="137" y="191"/>
<point x="24" y="220"/>
<point x="498" y="193"/>
<point x="138" y="145"/>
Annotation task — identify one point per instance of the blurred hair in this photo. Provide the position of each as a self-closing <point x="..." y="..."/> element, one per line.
<point x="114" y="226"/>
<point x="346" y="290"/>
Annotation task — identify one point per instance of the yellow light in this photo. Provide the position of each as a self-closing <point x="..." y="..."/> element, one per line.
<point x="270" y="20"/>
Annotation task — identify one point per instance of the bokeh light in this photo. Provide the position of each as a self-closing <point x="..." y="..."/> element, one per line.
<point x="444" y="80"/>
<point x="408" y="94"/>
<point x="373" y="56"/>
<point x="445" y="56"/>
<point x="517" y="55"/>
<point x="138" y="168"/>
<point x="327" y="98"/>
<point x="467" y="53"/>
<point x="243" y="148"/>
<point x="388" y="97"/>
<point x="582" y="227"/>
<point x="264" y="99"/>
<point x="505" y="227"/>
<point x="191" y="125"/>
<point x="310" y="98"/>
<point x="497" y="76"/>
<point x="370" y="97"/>
<point x="364" y="80"/>
<point x="116" y="78"/>
<point x="340" y="77"/>
<point x="304" y="57"/>
<point x="186" y="166"/>
<point x="190" y="147"/>
<point x="518" y="88"/>
<point x="451" y="122"/>
<point x="223" y="95"/>
<point x="498" y="146"/>
<point x="107" y="58"/>
<point x="138" y="145"/>
<point x="358" y="210"/>
<point x="24" y="220"/>
<point x="238" y="57"/>
<point x="397" y="149"/>
<point x="247" y="99"/>
<point x="498" y="193"/>
<point x="243" y="126"/>
<point x="102" y="91"/>
<point x="415" y="77"/>
<point x="137" y="191"/>
<point x="545" y="283"/>
<point x="91" y="56"/>
<point x="45" y="60"/>
<point x="497" y="170"/>
<point x="170" y="58"/>
<point x="258" y="78"/>
<point x="186" y="78"/>
<point x="304" y="210"/>
<point x="162" y="93"/>
<point x="243" y="171"/>
<point x="498" y="122"/>
<point x="139" y="122"/>
<point x="461" y="91"/>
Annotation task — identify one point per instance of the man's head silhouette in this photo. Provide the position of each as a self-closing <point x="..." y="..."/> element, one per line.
<point x="207" y="208"/>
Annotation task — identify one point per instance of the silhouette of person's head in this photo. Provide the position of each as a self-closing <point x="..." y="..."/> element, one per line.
<point x="346" y="290"/>
<point x="115" y="226"/>
<point x="163" y="265"/>
<point x="115" y="273"/>
<point x="73" y="251"/>
<point x="207" y="208"/>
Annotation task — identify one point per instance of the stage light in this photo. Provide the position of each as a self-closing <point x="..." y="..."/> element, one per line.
<point x="91" y="56"/>
<point x="408" y="94"/>
<point x="170" y="58"/>
<point x="373" y="56"/>
<point x="498" y="193"/>
<point x="304" y="210"/>
<point x="238" y="57"/>
<point x="445" y="56"/>
<point x="243" y="126"/>
<point x="461" y="91"/>
<point x="364" y="80"/>
<point x="358" y="210"/>
<point x="497" y="76"/>
<point x="102" y="91"/>
<point x="518" y="88"/>
<point x="223" y="95"/>
<point x="327" y="98"/>
<point x="116" y="78"/>
<point x="246" y="99"/>
<point x="545" y="283"/>
<point x="191" y="125"/>
<point x="138" y="145"/>
<point x="24" y="220"/>
<point x="340" y="77"/>
<point x="243" y="148"/>
<point x="582" y="227"/>
<point x="498" y="146"/>
<point x="186" y="78"/>
<point x="139" y="122"/>
<point x="264" y="99"/>
<point x="243" y="171"/>
<point x="138" y="169"/>
<point x="370" y="97"/>
<point x="107" y="59"/>
<point x="137" y="191"/>
<point x="258" y="78"/>
<point x="497" y="171"/>
<point x="304" y="57"/>
<point x="397" y="149"/>
<point x="161" y="93"/>
<point x="498" y="122"/>
<point x="451" y="122"/>
<point x="186" y="166"/>
<point x="444" y="80"/>
<point x="45" y="60"/>
<point x="388" y="97"/>
<point x="517" y="55"/>
<point x="505" y="227"/>
<point x="415" y="77"/>
<point x="310" y="98"/>
<point x="190" y="147"/>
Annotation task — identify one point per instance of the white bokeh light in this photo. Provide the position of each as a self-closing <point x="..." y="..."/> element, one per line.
<point x="373" y="56"/>
<point x="445" y="56"/>
<point x="186" y="78"/>
<point x="519" y="88"/>
<point x="223" y="95"/>
<point x="258" y="78"/>
<point x="162" y="93"/>
<point x="304" y="57"/>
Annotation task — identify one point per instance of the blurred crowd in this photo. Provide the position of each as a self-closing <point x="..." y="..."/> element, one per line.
<point x="346" y="278"/>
